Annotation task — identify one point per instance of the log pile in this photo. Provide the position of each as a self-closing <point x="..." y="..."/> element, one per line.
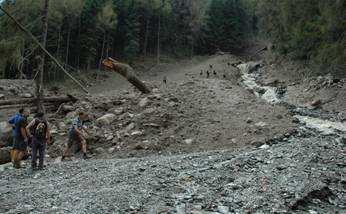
<point x="49" y="102"/>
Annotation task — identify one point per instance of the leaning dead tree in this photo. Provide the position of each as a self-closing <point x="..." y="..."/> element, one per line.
<point x="39" y="79"/>
<point x="126" y="71"/>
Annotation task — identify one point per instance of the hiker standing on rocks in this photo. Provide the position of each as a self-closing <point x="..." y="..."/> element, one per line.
<point x="13" y="120"/>
<point x="39" y="132"/>
<point x="20" y="143"/>
<point x="76" y="135"/>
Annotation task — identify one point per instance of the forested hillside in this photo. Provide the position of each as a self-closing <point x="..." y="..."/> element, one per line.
<point x="82" y="32"/>
<point x="312" y="30"/>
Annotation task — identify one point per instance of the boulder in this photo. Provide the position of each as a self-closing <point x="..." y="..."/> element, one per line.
<point x="68" y="108"/>
<point x="316" y="103"/>
<point x="106" y="119"/>
<point x="5" y="133"/>
<point x="5" y="155"/>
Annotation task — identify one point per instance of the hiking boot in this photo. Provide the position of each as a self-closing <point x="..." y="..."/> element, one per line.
<point x="85" y="157"/>
<point x="40" y="168"/>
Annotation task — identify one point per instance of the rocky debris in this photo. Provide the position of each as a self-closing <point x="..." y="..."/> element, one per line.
<point x="2" y="96"/>
<point x="326" y="81"/>
<point x="276" y="179"/>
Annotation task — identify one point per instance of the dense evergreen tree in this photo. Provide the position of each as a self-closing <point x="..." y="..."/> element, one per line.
<point x="310" y="30"/>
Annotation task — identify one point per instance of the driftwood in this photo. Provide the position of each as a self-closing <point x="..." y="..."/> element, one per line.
<point x="29" y="101"/>
<point x="127" y="72"/>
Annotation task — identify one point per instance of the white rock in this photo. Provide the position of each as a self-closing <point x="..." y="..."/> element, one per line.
<point x="118" y="111"/>
<point x="136" y="133"/>
<point x="188" y="141"/>
<point x="62" y="126"/>
<point x="111" y="150"/>
<point x="144" y="102"/>
<point x="2" y="96"/>
<point x="260" y="124"/>
<point x="130" y="127"/>
<point x="109" y="137"/>
<point x="68" y="108"/>
<point x="264" y="146"/>
<point x="106" y="119"/>
<point x="26" y="95"/>
<point x="223" y="209"/>
<point x="99" y="150"/>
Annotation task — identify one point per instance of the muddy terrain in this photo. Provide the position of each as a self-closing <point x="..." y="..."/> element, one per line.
<point x="243" y="139"/>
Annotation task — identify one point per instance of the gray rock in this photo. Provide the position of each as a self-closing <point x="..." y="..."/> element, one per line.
<point x="68" y="108"/>
<point x="100" y="150"/>
<point x="130" y="127"/>
<point x="106" y="119"/>
<point x="223" y="209"/>
<point x="5" y="133"/>
<point x="143" y="102"/>
<point x="26" y="95"/>
<point x="111" y="150"/>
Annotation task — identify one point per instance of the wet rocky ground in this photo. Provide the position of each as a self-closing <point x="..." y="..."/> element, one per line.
<point x="227" y="143"/>
<point x="303" y="174"/>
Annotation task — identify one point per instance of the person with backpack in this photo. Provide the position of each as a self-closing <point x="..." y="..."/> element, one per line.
<point x="20" y="144"/>
<point x="12" y="121"/>
<point x="77" y="135"/>
<point x="39" y="131"/>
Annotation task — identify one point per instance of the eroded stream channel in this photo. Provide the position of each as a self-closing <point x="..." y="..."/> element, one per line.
<point x="251" y="72"/>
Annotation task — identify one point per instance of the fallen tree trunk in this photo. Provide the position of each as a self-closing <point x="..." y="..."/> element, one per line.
<point x="28" y="101"/>
<point x="127" y="72"/>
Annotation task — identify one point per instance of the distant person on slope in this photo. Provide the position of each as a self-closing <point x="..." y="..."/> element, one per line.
<point x="20" y="143"/>
<point x="39" y="132"/>
<point x="77" y="135"/>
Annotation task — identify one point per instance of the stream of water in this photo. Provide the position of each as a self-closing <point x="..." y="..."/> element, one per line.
<point x="251" y="71"/>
